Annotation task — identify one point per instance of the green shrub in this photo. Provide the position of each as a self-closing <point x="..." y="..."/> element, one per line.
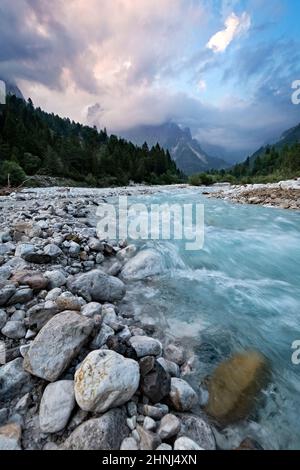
<point x="201" y="179"/>
<point x="11" y="171"/>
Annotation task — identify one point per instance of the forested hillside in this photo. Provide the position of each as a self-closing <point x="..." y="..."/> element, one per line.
<point x="34" y="142"/>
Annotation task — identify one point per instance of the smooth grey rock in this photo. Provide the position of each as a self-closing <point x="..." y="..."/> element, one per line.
<point x="40" y="314"/>
<point x="14" y="330"/>
<point x="175" y="354"/>
<point x="10" y="437"/>
<point x="58" y="342"/>
<point x="148" y="440"/>
<point x="101" y="338"/>
<point x="3" y="318"/>
<point x="91" y="309"/>
<point x="153" y="411"/>
<point x="6" y="292"/>
<point x="14" y="381"/>
<point x="56" y="278"/>
<point x="146" y="346"/>
<point x="7" y="248"/>
<point x="169" y="427"/>
<point x="52" y="250"/>
<point x="21" y="296"/>
<point x="145" y="264"/>
<point x="74" y="249"/>
<point x="170" y="367"/>
<point x="182" y="396"/>
<point x="164" y="447"/>
<point x="184" y="443"/>
<point x="56" y="406"/>
<point x="24" y="248"/>
<point x="149" y="424"/>
<point x="104" y="433"/>
<point x="105" y="380"/>
<point x="129" y="443"/>
<point x="53" y="294"/>
<point x="197" y="429"/>
<point x="97" y="286"/>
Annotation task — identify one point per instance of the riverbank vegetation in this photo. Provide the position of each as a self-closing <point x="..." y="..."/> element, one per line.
<point x="33" y="142"/>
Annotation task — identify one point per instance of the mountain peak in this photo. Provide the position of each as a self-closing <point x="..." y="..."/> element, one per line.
<point x="184" y="149"/>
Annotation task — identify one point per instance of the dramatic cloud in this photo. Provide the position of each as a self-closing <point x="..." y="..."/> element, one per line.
<point x="234" y="26"/>
<point x="124" y="63"/>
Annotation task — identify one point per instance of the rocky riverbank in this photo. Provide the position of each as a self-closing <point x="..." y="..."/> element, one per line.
<point x="79" y="370"/>
<point x="284" y="195"/>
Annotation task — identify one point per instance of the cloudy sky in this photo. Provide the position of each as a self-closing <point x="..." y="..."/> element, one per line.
<point x="222" y="67"/>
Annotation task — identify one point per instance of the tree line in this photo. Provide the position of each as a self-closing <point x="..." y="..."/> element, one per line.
<point x="35" y="142"/>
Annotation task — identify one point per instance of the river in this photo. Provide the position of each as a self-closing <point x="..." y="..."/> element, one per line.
<point x="241" y="291"/>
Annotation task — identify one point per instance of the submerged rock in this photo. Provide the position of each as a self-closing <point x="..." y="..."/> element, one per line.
<point x="145" y="264"/>
<point x="234" y="386"/>
<point x="105" y="380"/>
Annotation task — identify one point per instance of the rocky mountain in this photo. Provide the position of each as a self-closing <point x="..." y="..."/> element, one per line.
<point x="289" y="137"/>
<point x="12" y="89"/>
<point x="184" y="149"/>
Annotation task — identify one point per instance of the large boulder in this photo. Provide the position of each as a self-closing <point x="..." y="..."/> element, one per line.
<point x="56" y="406"/>
<point x="105" y="380"/>
<point x="185" y="443"/>
<point x="97" y="286"/>
<point x="145" y="264"/>
<point x="14" y="381"/>
<point x="104" y="433"/>
<point x="234" y="386"/>
<point x="58" y="342"/>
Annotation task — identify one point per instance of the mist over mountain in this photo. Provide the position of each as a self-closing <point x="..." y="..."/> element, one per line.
<point x="186" y="151"/>
<point x="12" y="89"/>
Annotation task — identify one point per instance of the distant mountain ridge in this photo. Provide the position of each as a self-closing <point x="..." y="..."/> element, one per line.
<point x="12" y="89"/>
<point x="288" y="137"/>
<point x="184" y="149"/>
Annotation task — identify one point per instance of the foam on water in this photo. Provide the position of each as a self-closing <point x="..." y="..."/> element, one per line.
<point x="241" y="291"/>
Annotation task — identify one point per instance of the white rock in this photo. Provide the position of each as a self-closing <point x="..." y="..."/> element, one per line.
<point x="184" y="443"/>
<point x="149" y="424"/>
<point x="129" y="443"/>
<point x="56" y="406"/>
<point x="56" y="278"/>
<point x="146" y="346"/>
<point x="105" y="380"/>
<point x="91" y="309"/>
<point x="164" y="446"/>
